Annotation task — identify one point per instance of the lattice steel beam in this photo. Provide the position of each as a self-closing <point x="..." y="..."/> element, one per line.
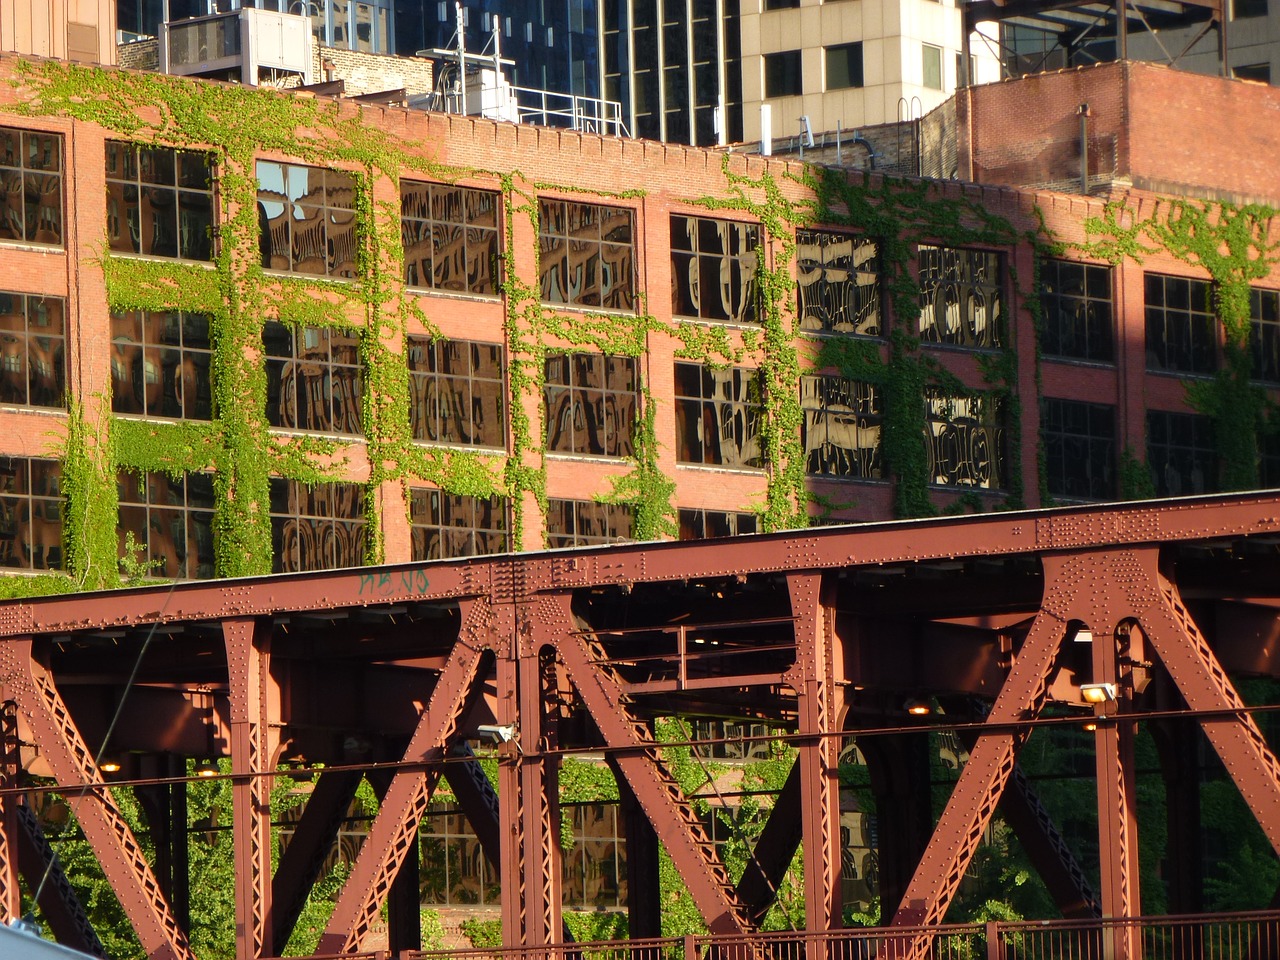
<point x="59" y="903"/>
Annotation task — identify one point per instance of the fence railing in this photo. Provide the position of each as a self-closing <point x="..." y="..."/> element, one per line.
<point x="1221" y="936"/>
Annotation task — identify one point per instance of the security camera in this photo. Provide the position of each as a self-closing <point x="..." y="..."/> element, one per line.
<point x="495" y="733"/>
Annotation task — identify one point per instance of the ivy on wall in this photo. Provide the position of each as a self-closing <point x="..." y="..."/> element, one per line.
<point x="1233" y="245"/>
<point x="238" y="123"/>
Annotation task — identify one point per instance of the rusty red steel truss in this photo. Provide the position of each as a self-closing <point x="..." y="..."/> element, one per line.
<point x="1003" y="621"/>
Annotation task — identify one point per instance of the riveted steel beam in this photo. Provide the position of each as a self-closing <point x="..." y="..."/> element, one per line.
<point x="458" y="687"/>
<point x="58" y="901"/>
<point x="10" y="887"/>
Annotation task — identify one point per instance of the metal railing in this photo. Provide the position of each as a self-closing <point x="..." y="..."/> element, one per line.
<point x="1222" y="936"/>
<point x="588" y="114"/>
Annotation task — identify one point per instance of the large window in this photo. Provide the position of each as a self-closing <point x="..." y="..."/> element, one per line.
<point x="706" y="524"/>
<point x="456" y="392"/>
<point x="960" y="297"/>
<point x="841" y="428"/>
<point x="931" y="66"/>
<point x="584" y="523"/>
<point x="718" y="415"/>
<point x="30" y="514"/>
<point x="1182" y="334"/>
<point x="313" y="378"/>
<point x="782" y="75"/>
<point x="33" y="366"/>
<point x="1079" y="449"/>
<point x="844" y="66"/>
<point x="170" y="524"/>
<point x="306" y="219"/>
<point x="30" y="186"/>
<point x="591" y="401"/>
<point x="1075" y="300"/>
<point x="1269" y="455"/>
<point x="159" y="201"/>
<point x="450" y="237"/>
<point x="713" y="267"/>
<point x="363" y="25"/>
<point x="1264" y="334"/>
<point x="965" y="440"/>
<point x="1181" y="453"/>
<point x="587" y="254"/>
<point x="321" y="527"/>
<point x="160" y="365"/>
<point x="447" y="525"/>
<point x="838" y="289"/>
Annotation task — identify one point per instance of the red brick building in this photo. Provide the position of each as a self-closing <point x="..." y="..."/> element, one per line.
<point x="254" y="331"/>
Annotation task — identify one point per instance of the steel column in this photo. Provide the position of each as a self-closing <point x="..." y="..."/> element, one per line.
<point x="248" y="652"/>
<point x="72" y="762"/>
<point x="396" y="826"/>
<point x="991" y="762"/>
<point x="819" y="753"/>
<point x="637" y="757"/>
<point x="10" y="887"/>
<point x="774" y="850"/>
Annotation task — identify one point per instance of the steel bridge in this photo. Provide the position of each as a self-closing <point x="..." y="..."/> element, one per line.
<point x="1097" y="617"/>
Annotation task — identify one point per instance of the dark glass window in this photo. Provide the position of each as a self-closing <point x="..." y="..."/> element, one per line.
<point x="170" y="521"/>
<point x="1264" y="334"/>
<point x="30" y="513"/>
<point x="1182" y="332"/>
<point x="160" y="364"/>
<point x="781" y="4"/>
<point x="844" y="66"/>
<point x="1181" y="453"/>
<point x="30" y="186"/>
<point x="965" y="440"/>
<point x="1269" y="454"/>
<point x="447" y="525"/>
<point x="713" y="266"/>
<point x="313" y="378"/>
<point x="838" y="283"/>
<point x="961" y="297"/>
<point x="1075" y="300"/>
<point x="456" y="392"/>
<point x="159" y="201"/>
<point x="591" y="402"/>
<point x="1248" y="8"/>
<point x="1079" y="449"/>
<point x="584" y="523"/>
<point x="587" y="254"/>
<point x="841" y="428"/>
<point x="718" y="416"/>
<point x="306" y="219"/>
<point x="33" y="366"/>
<point x="321" y="527"/>
<point x="450" y="237"/>
<point x="706" y="524"/>
<point x="782" y="74"/>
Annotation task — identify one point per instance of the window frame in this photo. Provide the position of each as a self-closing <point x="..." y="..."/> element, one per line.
<point x="1079" y="443"/>
<point x="140" y="353"/>
<point x="23" y="498"/>
<point x="426" y="206"/>
<point x="943" y="430"/>
<point x="741" y="244"/>
<point x="609" y="513"/>
<point x="424" y="353"/>
<point x="782" y="74"/>
<point x="1201" y="325"/>
<point x="958" y="268"/>
<point x="336" y="219"/>
<point x="1061" y="311"/>
<point x="33" y="184"/>
<point x="687" y="517"/>
<point x="846" y="49"/>
<point x="820" y="312"/>
<point x="568" y="250"/>
<point x="1264" y="335"/>
<point x="153" y="512"/>
<point x="925" y="50"/>
<point x="31" y="344"/>
<point x="599" y="395"/>
<point x="1198" y="454"/>
<point x="353" y="528"/>
<point x="130" y="162"/>
<point x="278" y="366"/>
<point x="746" y="431"/>
<point x="867" y="413"/>
<point x="447" y="507"/>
